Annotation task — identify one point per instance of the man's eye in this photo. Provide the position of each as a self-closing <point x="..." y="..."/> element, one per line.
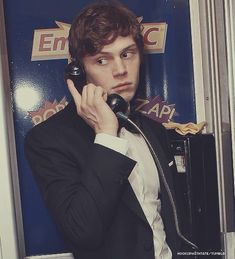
<point x="127" y="54"/>
<point x="102" y="61"/>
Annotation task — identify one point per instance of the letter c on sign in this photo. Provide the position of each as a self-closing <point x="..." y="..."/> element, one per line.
<point x="146" y="36"/>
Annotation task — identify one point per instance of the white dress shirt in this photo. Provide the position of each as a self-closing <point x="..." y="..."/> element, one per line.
<point x="144" y="181"/>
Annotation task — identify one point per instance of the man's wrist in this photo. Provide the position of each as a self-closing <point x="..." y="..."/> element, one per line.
<point x="118" y="144"/>
<point x="112" y="132"/>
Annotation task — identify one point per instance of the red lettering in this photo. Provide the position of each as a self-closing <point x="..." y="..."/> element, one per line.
<point x="146" y="36"/>
<point x="44" y="41"/>
<point x="62" y="41"/>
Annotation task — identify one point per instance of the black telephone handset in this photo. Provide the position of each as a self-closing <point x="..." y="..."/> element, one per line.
<point x="76" y="73"/>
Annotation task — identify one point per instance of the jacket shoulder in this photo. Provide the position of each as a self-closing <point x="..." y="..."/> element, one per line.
<point x="155" y="125"/>
<point x="159" y="131"/>
<point x="52" y="127"/>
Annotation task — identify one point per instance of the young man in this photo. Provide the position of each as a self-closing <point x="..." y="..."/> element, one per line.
<point x="101" y="183"/>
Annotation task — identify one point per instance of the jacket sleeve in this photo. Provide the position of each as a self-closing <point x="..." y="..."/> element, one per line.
<point x="83" y="200"/>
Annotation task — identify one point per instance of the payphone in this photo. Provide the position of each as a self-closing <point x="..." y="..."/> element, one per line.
<point x="197" y="190"/>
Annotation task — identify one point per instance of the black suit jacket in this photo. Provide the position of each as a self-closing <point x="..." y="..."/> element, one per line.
<point x="86" y="188"/>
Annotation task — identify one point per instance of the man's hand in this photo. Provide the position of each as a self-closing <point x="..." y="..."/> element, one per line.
<point x="92" y="107"/>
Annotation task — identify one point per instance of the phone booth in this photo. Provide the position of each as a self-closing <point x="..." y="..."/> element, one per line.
<point x="35" y="55"/>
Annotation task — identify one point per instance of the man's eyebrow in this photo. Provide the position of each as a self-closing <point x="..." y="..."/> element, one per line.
<point x="129" y="47"/>
<point x="123" y="50"/>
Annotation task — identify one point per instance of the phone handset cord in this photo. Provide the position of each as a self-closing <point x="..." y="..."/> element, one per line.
<point x="161" y="173"/>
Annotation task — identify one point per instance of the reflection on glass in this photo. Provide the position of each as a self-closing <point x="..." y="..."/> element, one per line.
<point x="27" y="97"/>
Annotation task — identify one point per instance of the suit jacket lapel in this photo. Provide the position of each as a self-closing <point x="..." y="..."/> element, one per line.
<point x="129" y="196"/>
<point x="132" y="202"/>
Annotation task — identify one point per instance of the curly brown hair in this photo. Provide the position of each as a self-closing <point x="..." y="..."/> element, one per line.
<point x="100" y="24"/>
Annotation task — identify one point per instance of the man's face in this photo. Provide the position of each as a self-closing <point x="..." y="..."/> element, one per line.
<point x="115" y="68"/>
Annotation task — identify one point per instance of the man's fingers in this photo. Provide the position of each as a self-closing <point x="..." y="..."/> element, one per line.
<point x="90" y="94"/>
<point x="84" y="97"/>
<point x="75" y="94"/>
<point x="105" y="96"/>
<point x="100" y="94"/>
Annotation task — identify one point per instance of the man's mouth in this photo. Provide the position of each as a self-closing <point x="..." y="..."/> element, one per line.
<point x="121" y="87"/>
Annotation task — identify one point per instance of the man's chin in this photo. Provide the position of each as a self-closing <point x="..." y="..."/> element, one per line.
<point x="127" y="96"/>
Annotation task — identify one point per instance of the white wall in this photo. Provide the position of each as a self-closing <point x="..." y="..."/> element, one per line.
<point x="11" y="244"/>
<point x="7" y="215"/>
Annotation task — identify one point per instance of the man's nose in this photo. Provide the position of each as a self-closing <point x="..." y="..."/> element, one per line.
<point x="119" y="68"/>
